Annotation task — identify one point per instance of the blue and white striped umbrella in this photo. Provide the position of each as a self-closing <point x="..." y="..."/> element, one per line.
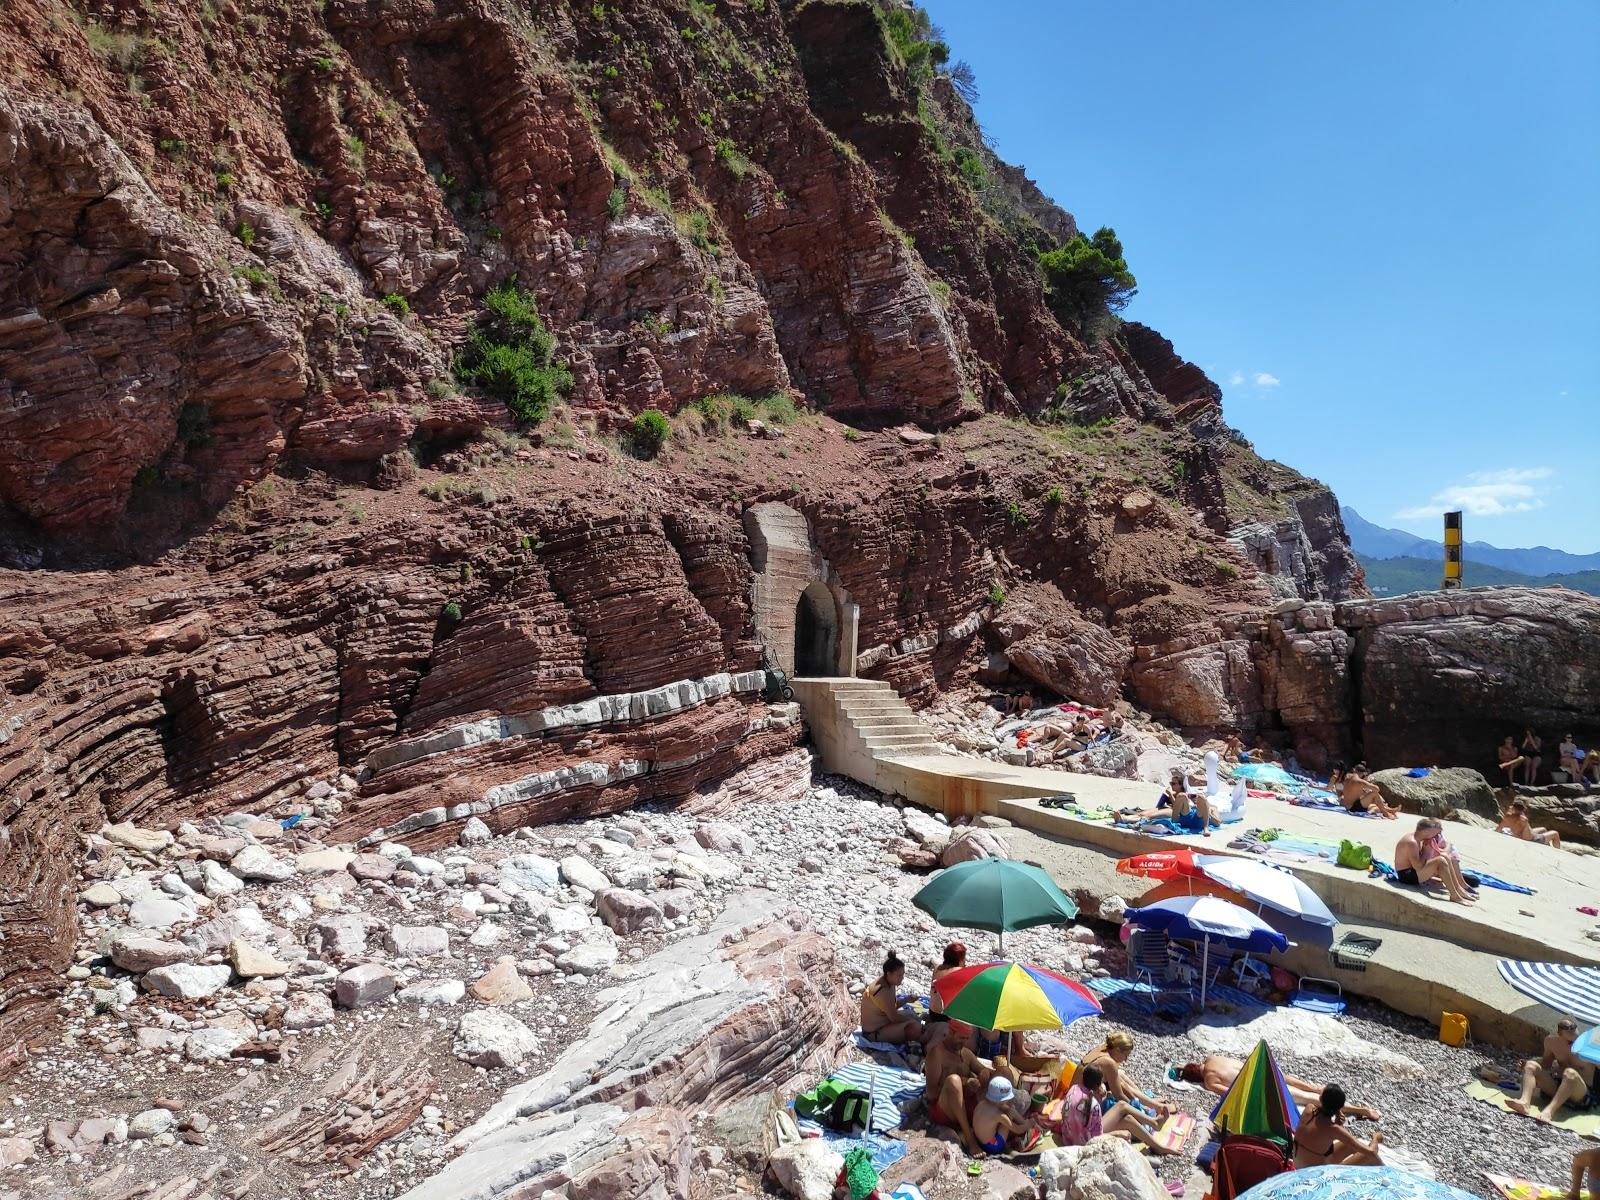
<point x="1574" y="991"/>
<point x="1353" y="1183"/>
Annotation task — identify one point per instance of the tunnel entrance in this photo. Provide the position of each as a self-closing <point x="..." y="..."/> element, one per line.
<point x="816" y="632"/>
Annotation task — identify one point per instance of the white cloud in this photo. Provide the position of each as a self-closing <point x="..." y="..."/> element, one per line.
<point x="1487" y="494"/>
<point x="1236" y="379"/>
<point x="1265" y="380"/>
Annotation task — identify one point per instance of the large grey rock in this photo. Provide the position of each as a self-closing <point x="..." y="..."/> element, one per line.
<point x="219" y="931"/>
<point x="150" y="1123"/>
<point x="722" y="838"/>
<point x="531" y="871"/>
<point x="1106" y="1169"/>
<point x="149" y="841"/>
<point x="216" y="881"/>
<point x="188" y="981"/>
<point x="257" y="862"/>
<point x="926" y="830"/>
<point x="475" y="833"/>
<point x="971" y="843"/>
<point x="213" y="1044"/>
<point x="158" y="912"/>
<point x="1050" y="641"/>
<point x="366" y="984"/>
<point x="307" y="1010"/>
<point x="146" y="953"/>
<point x="589" y="959"/>
<point x="1439" y="792"/>
<point x="806" y="1169"/>
<point x="339" y="936"/>
<point x="580" y="872"/>
<point x="417" y="941"/>
<point x="1118" y="759"/>
<point x="488" y="1038"/>
<point x="433" y="994"/>
<point x="628" y="912"/>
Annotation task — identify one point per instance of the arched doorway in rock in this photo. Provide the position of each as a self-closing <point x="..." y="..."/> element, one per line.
<point x="816" y="632"/>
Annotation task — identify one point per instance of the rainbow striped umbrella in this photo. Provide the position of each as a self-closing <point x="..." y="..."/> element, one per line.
<point x="1259" y="1101"/>
<point x="1005" y="996"/>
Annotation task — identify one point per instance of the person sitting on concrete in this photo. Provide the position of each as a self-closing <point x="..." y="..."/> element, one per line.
<point x="954" y="1079"/>
<point x="1510" y="758"/>
<point x="994" y="1126"/>
<point x="1591" y="765"/>
<point x="1090" y="1112"/>
<point x="1569" y="1081"/>
<point x="1216" y="1073"/>
<point x="1515" y="822"/>
<point x="1359" y="794"/>
<point x="1109" y="1058"/>
<point x="1585" y="1162"/>
<point x="1322" y="1140"/>
<point x="883" y="1018"/>
<point x="1418" y="860"/>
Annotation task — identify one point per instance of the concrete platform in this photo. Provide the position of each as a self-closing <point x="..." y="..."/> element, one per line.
<point x="1436" y="956"/>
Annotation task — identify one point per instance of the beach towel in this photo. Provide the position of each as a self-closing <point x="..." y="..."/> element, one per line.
<point x="1175" y="1131"/>
<point x="896" y="1054"/>
<point x="1317" y="800"/>
<point x="885" y="1151"/>
<point x="1175" y="1081"/>
<point x="1142" y="997"/>
<point x="1525" y="1189"/>
<point x="1402" y="1159"/>
<point x="1419" y="772"/>
<point x="907" y="1191"/>
<point x="892" y="1090"/>
<point x="1585" y="1124"/>
<point x="1493" y="881"/>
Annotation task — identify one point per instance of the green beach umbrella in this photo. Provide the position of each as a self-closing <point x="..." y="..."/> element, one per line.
<point x="996" y="894"/>
<point x="1259" y="1102"/>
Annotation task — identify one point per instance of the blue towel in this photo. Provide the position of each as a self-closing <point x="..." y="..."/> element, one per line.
<point x="1494" y="881"/>
<point x="291" y="822"/>
<point x="885" y="1151"/>
<point x="1418" y="772"/>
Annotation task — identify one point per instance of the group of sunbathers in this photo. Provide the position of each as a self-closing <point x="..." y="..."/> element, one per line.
<point x="1521" y="760"/>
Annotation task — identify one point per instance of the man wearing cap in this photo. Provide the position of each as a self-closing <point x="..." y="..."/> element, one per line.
<point x="1569" y="1081"/>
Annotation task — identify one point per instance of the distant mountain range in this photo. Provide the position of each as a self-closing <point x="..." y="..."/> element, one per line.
<point x="1397" y="561"/>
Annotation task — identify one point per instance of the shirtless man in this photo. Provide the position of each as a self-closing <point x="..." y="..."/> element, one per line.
<point x="1232" y="748"/>
<point x="1568" y="1080"/>
<point x="1322" y="1140"/>
<point x="1216" y="1073"/>
<point x="1417" y="862"/>
<point x="1516" y="823"/>
<point x="1361" y="795"/>
<point x="1510" y="758"/>
<point x="954" y="1078"/>
<point x="882" y="1018"/>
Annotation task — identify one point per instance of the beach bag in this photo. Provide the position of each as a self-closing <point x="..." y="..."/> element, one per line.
<point x="820" y="1099"/>
<point x="857" y="1179"/>
<point x="1454" y="1030"/>
<point x="1354" y="856"/>
<point x="850" y="1112"/>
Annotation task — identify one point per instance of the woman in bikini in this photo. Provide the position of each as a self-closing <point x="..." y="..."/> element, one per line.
<point x="1322" y="1140"/>
<point x="1532" y="756"/>
<point x="1089" y="1112"/>
<point x="882" y="1017"/>
<point x="1119" y="1085"/>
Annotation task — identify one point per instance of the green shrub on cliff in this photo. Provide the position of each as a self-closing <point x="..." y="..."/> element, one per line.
<point x="647" y="433"/>
<point x="1087" y="279"/>
<point x="912" y="33"/>
<point x="511" y="355"/>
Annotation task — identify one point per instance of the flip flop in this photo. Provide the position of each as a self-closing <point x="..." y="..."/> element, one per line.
<point x="974" y="1167"/>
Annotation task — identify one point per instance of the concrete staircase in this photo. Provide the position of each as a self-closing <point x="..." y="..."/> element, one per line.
<point x="856" y="723"/>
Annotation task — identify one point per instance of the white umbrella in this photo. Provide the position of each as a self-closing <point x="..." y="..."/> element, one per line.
<point x="1268" y="885"/>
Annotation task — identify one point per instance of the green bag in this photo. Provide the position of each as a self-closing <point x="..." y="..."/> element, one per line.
<point x="1356" y="857"/>
<point x="859" y="1174"/>
<point x="819" y="1099"/>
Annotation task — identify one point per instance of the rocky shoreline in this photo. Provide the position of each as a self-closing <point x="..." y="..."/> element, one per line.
<point x="255" y="1012"/>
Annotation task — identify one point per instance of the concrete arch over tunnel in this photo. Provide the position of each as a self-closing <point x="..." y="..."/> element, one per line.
<point x="803" y="615"/>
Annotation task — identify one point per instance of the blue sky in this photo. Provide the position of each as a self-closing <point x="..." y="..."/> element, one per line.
<point x="1376" y="225"/>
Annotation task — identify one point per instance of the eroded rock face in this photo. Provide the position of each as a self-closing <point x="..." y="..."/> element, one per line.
<point x="759" y="989"/>
<point x="1048" y="640"/>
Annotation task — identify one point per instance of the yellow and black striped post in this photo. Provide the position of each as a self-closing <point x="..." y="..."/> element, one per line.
<point x="1452" y="551"/>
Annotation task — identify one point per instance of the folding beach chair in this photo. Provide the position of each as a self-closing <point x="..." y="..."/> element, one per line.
<point x="1150" y="965"/>
<point x="1242" y="1162"/>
